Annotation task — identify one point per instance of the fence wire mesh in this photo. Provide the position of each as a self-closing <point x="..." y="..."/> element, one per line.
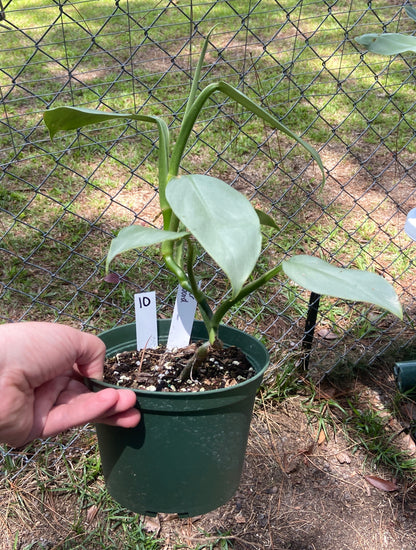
<point x="62" y="200"/>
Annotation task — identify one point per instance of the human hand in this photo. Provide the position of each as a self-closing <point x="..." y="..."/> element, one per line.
<point x="41" y="387"/>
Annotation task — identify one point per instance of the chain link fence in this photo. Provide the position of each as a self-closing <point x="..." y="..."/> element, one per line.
<point x="61" y="201"/>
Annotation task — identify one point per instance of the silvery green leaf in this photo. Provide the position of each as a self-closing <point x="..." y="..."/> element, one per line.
<point x="388" y="43"/>
<point x="321" y="277"/>
<point x="222" y="220"/>
<point x="265" y="219"/>
<point x="411" y="11"/>
<point x="137" y="236"/>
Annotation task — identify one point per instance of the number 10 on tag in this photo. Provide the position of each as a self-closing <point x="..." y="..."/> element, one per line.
<point x="146" y="322"/>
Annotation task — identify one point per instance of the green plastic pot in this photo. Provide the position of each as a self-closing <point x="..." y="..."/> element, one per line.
<point x="187" y="453"/>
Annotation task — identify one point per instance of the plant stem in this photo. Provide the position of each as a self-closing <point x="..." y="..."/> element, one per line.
<point x="196" y="77"/>
<point x="199" y="296"/>
<point x="193" y="112"/>
<point x="245" y="291"/>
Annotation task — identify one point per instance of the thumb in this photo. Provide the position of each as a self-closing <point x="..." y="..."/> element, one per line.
<point x="90" y="356"/>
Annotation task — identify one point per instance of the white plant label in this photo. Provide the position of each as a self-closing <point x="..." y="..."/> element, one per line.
<point x="182" y="319"/>
<point x="146" y="321"/>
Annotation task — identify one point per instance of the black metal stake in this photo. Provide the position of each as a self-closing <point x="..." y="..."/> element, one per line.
<point x="310" y="324"/>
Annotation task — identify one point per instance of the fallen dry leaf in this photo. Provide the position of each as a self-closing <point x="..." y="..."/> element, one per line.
<point x="343" y="458"/>
<point x="327" y="334"/>
<point x="239" y="518"/>
<point x="381" y="484"/>
<point x="408" y="444"/>
<point x="152" y="525"/>
<point x="409" y="410"/>
<point x="91" y="513"/>
<point x="321" y="437"/>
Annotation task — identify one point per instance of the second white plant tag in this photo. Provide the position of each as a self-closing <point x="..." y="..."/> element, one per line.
<point x="146" y="321"/>
<point x="182" y="319"/>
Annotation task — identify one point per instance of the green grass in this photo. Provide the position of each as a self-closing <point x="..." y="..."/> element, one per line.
<point x="284" y="382"/>
<point x="368" y="429"/>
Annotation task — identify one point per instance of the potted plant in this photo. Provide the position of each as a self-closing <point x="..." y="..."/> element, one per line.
<point x="187" y="453"/>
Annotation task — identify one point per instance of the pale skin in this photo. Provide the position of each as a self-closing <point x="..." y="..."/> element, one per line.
<point x="41" y="389"/>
